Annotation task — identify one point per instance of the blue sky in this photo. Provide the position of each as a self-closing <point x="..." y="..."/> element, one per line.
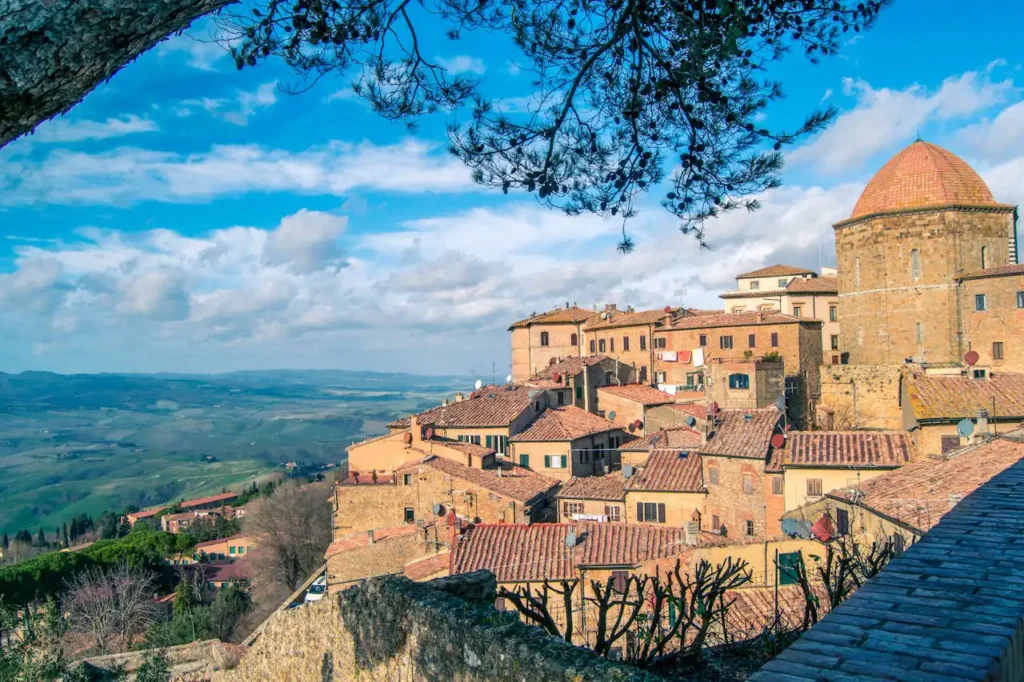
<point x="190" y="217"/>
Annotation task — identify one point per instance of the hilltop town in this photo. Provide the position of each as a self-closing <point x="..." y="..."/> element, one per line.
<point x="869" y="398"/>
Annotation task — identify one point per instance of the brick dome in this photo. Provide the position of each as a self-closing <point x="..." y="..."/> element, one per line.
<point x="923" y="175"/>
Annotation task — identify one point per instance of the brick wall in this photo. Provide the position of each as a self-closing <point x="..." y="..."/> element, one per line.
<point x="860" y="397"/>
<point x="661" y="417"/>
<point x="728" y="500"/>
<point x="766" y="384"/>
<point x="641" y="359"/>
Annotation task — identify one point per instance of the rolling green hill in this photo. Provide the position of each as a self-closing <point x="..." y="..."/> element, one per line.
<point x="90" y="442"/>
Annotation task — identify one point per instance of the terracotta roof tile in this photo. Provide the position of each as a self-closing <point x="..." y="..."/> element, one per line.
<point x="570" y="366"/>
<point x="737" y="320"/>
<point x="621" y="318"/>
<point x="571" y="315"/>
<point x="757" y="293"/>
<point x="814" y="285"/>
<point x="669" y="470"/>
<point x="998" y="271"/>
<point x="421" y="569"/>
<point x="564" y="424"/>
<point x="220" y="497"/>
<point x="920" y="493"/>
<point x="753" y="609"/>
<point x="233" y="572"/>
<point x="210" y="543"/>
<point x="922" y="175"/>
<point x="957" y="397"/>
<point x="743" y="433"/>
<point x="610" y="487"/>
<point x="463" y="446"/>
<point x="775" y="271"/>
<point x="616" y="544"/>
<point x="515" y="482"/>
<point x="852" y="449"/>
<point x="680" y="438"/>
<point x="351" y="542"/>
<point x="638" y="393"/>
<point x="488" y="406"/>
<point x="699" y="410"/>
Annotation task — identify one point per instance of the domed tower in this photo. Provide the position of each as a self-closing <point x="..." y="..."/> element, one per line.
<point x="925" y="218"/>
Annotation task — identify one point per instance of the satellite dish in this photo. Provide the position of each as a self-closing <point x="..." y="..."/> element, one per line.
<point x="780" y="402"/>
<point x="627" y="470"/>
<point x="478" y="384"/>
<point x="965" y="427"/>
<point x="611" y="415"/>
<point x="713" y="408"/>
<point x="971" y="357"/>
<point x="690" y="420"/>
<point x="407" y="437"/>
<point x="778" y="440"/>
<point x="639" y="424"/>
<point x="668" y="309"/>
<point x="570" y="539"/>
<point x="508" y="379"/>
<point x="632" y="427"/>
<point x="556" y="377"/>
<point x="430" y="432"/>
<point x="438" y="509"/>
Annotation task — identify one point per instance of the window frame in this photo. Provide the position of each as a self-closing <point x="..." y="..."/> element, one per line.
<point x="833" y="313"/>
<point x="524" y="460"/>
<point x="725" y="342"/>
<point x="406" y="479"/>
<point x="998" y="350"/>
<point x="545" y="339"/>
<point x="775" y="339"/>
<point x="409" y="515"/>
<point x="980" y="303"/>
<point x="798" y="311"/>
<point x="738" y="381"/>
<point x="835" y="341"/>
<point x="812" y="485"/>
<point x="778" y="485"/>
<point x="751" y="340"/>
<point x="755" y="285"/>
<point x="625" y="344"/>
<point x="593" y="346"/>
<point x="601" y="346"/>
<point x="783" y="283"/>
<point x="749" y="528"/>
<point x="915" y="265"/>
<point x="643" y="342"/>
<point x="702" y="340"/>
<point x="574" y="340"/>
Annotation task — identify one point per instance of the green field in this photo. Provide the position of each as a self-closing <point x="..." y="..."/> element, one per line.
<point x="87" y="443"/>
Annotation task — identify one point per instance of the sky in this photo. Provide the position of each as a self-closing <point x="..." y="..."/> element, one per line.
<point x="190" y="217"/>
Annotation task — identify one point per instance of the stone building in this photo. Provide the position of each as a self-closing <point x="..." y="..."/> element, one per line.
<point x="924" y="219"/>
<point x="993" y="317"/>
<point x="627" y="405"/>
<point x="567" y="441"/>
<point x="541" y="340"/>
<point x="792" y="291"/>
<point x="628" y="336"/>
<point x="583" y="376"/>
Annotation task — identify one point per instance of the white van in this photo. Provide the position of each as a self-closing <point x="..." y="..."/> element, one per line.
<point x="317" y="590"/>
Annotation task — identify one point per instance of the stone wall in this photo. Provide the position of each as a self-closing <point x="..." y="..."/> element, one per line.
<point x="391" y="629"/>
<point x="728" y="500"/>
<point x="1001" y="323"/>
<point x="385" y="556"/>
<point x="860" y="397"/>
<point x="195" y="661"/>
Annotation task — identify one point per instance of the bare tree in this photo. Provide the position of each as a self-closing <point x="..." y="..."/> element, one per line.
<point x="112" y="605"/>
<point x="294" y="529"/>
<point x="535" y="606"/>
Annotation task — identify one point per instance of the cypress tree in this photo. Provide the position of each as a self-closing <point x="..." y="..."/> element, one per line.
<point x="41" y="538"/>
<point x="74" y="529"/>
<point x="6" y="541"/>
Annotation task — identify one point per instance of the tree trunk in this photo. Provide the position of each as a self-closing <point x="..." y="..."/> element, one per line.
<point x="54" y="52"/>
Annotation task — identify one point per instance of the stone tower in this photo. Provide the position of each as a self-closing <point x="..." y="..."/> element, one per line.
<point x="923" y="219"/>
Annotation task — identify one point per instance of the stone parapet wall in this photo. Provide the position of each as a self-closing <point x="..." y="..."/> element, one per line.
<point x="860" y="397"/>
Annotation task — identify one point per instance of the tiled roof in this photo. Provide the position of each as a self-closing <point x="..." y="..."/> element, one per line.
<point x="515" y="482"/>
<point x="233" y="572"/>
<point x="544" y="384"/>
<point x="227" y="540"/>
<point x="571" y="315"/>
<point x="347" y="544"/>
<point x="855" y="449"/>
<point x="737" y="436"/>
<point x="776" y="271"/>
<point x="520" y="553"/>
<point x="516" y="552"/>
<point x="563" y="424"/>
<point x="462" y="446"/>
<point x="998" y="271"/>
<point x="639" y="393"/>
<point x="488" y="406"/>
<point x="753" y="609"/>
<point x="737" y="320"/>
<point x="669" y="470"/>
<point x="957" y="397"/>
<point x="700" y="311"/>
<point x="421" y="569"/>
<point x="622" y="318"/>
<point x="920" y="493"/>
<point x="610" y="487"/>
<point x="756" y="293"/>
<point x="922" y="175"/>
<point x="680" y="438"/>
<point x="570" y="366"/>
<point x="814" y="285"/>
<point x="146" y="513"/>
<point x="699" y="410"/>
<point x="220" y="497"/>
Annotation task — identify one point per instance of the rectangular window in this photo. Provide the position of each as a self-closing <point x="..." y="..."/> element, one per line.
<point x="524" y="460"/>
<point x="651" y="512"/>
<point x="561" y="401"/>
<point x="833" y="313"/>
<point x="703" y="340"/>
<point x="659" y="342"/>
<point x="410" y="515"/>
<point x="950" y="443"/>
<point x="752" y="340"/>
<point x="600" y="345"/>
<point x="609" y="378"/>
<point x="783" y="283"/>
<point x="543" y="338"/>
<point x="592" y="347"/>
<point x="716" y="523"/>
<point x="556" y="461"/>
<point x="797" y="311"/>
<point x="241" y="550"/>
<point x="579" y="393"/>
<point x="775" y="340"/>
<point x="740" y="382"/>
<point x="619" y="579"/>
<point x="643" y="374"/>
<point x="754" y="285"/>
<point x="613" y="512"/>
<point x="611" y="345"/>
<point x="713" y="475"/>
<point x="231" y="550"/>
<point x="997" y="350"/>
<point x="750" y="528"/>
<point x="659" y="377"/>
<point x="570" y="508"/>
<point x="789" y="567"/>
<point x="835" y="359"/>
<point x="406" y="479"/>
<point x="979" y="374"/>
<point x="625" y="343"/>
<point x="1020" y="299"/>
<point x="835" y="341"/>
<point x="725" y="342"/>
<point x="842" y="522"/>
<point x="980" y="302"/>
<point x="643" y="343"/>
<point x="814" y="487"/>
<point x="488" y="439"/>
<point x="748" y="484"/>
<point x="776" y="485"/>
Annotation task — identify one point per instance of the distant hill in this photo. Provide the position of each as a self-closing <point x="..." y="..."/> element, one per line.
<point x="89" y="442"/>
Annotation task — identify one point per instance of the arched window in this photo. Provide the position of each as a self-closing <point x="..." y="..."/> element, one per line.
<point x="915" y="264"/>
<point x="856" y="272"/>
<point x="573" y="340"/>
<point x="713" y="473"/>
<point x="984" y="257"/>
<point x="543" y="338"/>
<point x="600" y="345"/>
<point x="739" y="381"/>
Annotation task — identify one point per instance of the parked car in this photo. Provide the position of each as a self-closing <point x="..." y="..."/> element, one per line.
<point x="317" y="590"/>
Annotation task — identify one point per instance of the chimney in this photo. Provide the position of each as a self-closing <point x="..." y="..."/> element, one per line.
<point x="692" y="532"/>
<point x="444" y="402"/>
<point x="982" y="430"/>
<point x="459" y="397"/>
<point x="566" y="304"/>
<point x="417" y="432"/>
<point x="609" y="307"/>
<point x="369" y="537"/>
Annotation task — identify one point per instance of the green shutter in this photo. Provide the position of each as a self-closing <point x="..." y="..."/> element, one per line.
<point x="639" y="511"/>
<point x="565" y="461"/>
<point x="788" y="568"/>
<point x="671" y="614"/>
<point x="547" y="461"/>
<point x="524" y="460"/>
<point x="579" y="393"/>
<point x="489" y="442"/>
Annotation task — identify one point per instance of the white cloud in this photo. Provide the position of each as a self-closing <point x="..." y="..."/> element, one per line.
<point x="885" y="117"/>
<point x="237" y="110"/>
<point x="203" y="49"/>
<point x="306" y="242"/>
<point x="999" y="138"/>
<point x="463" y="64"/>
<point x="63" y="130"/>
<point x="128" y="174"/>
